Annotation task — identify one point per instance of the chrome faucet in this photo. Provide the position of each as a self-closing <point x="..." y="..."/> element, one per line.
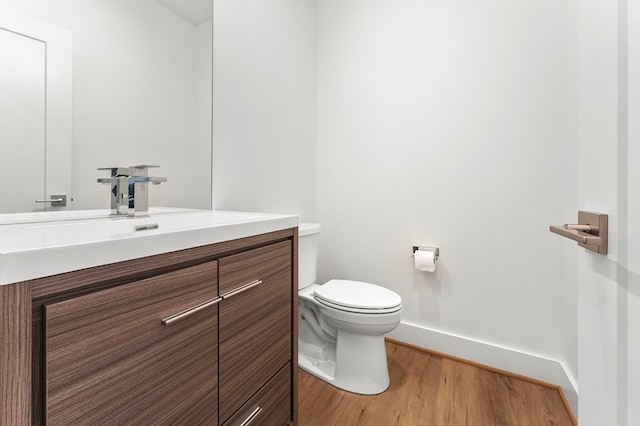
<point x="129" y="189"/>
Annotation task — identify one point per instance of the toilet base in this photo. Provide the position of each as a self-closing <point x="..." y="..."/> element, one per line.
<point x="356" y="363"/>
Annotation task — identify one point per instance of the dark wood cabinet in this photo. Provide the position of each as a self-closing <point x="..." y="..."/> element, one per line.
<point x="203" y="336"/>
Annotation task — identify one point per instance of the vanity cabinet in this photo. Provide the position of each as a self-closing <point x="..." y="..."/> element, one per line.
<point x="202" y="336"/>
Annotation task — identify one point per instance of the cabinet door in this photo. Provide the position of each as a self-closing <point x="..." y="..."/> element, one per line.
<point x="111" y="360"/>
<point x="255" y="322"/>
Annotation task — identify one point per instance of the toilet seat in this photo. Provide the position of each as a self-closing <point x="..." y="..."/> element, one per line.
<point x="357" y="297"/>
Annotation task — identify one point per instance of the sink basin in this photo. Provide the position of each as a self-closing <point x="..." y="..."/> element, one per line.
<point x="60" y="233"/>
<point x="78" y="240"/>
<point x="66" y="215"/>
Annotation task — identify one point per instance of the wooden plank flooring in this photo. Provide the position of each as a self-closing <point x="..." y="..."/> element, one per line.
<point x="430" y="389"/>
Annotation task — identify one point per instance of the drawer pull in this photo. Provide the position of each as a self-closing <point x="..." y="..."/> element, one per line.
<point x="241" y="289"/>
<point x="181" y="315"/>
<point x="252" y="416"/>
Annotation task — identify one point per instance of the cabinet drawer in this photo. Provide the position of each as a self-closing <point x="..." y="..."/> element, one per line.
<point x="110" y="360"/>
<point x="271" y="406"/>
<point x="256" y="324"/>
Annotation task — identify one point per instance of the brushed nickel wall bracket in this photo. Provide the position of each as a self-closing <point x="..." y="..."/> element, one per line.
<point x="591" y="231"/>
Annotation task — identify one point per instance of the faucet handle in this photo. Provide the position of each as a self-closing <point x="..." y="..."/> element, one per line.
<point x="118" y="171"/>
<point x="143" y="166"/>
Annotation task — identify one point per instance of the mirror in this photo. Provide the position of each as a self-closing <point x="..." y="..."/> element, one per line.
<point x="140" y="94"/>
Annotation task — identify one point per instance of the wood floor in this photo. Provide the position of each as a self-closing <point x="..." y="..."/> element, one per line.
<point x="429" y="389"/>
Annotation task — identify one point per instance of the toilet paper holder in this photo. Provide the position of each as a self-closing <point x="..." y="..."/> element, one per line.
<point x="436" y="250"/>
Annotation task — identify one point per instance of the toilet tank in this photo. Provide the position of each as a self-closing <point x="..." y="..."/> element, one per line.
<point x="308" y="236"/>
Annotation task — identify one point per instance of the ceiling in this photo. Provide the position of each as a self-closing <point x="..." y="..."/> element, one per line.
<point x="194" y="11"/>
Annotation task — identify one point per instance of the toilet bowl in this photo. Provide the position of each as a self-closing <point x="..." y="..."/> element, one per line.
<point x="342" y="325"/>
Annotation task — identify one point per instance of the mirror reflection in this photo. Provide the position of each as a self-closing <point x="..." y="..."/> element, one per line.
<point x="89" y="84"/>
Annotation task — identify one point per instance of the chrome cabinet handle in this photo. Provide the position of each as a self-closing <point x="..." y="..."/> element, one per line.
<point x="187" y="312"/>
<point x="241" y="289"/>
<point x="252" y="416"/>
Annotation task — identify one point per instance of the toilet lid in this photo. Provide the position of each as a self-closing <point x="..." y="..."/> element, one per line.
<point x="357" y="295"/>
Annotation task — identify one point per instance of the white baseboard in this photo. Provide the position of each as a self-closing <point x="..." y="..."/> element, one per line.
<point x="529" y="365"/>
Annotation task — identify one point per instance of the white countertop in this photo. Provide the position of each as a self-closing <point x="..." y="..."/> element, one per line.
<point x="84" y="239"/>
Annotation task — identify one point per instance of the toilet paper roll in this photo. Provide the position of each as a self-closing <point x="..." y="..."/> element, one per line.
<point x="425" y="260"/>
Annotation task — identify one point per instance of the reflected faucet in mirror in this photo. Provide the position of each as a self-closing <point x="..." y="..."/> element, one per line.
<point x="129" y="189"/>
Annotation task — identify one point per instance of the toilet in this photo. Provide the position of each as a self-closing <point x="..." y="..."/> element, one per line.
<point x="342" y="324"/>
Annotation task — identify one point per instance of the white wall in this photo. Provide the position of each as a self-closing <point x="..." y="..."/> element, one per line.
<point x="133" y="96"/>
<point x="609" y="291"/>
<point x="442" y="122"/>
<point x="264" y="106"/>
